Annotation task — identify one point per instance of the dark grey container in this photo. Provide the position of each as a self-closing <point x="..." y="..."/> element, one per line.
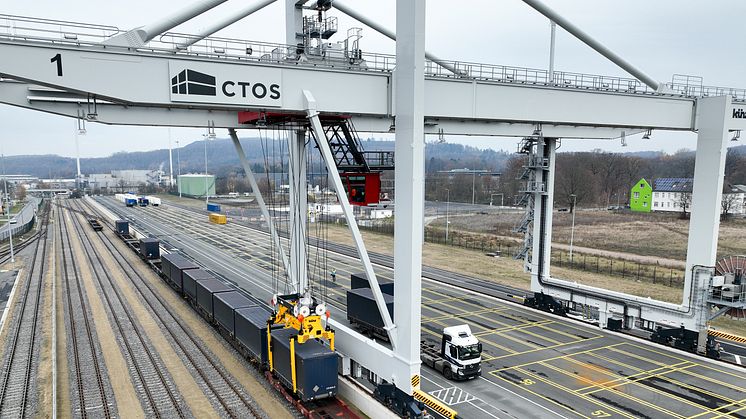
<point x="205" y="291"/>
<point x="190" y="278"/>
<point x="360" y="280"/>
<point x="123" y="226"/>
<point x="224" y="304"/>
<point x="315" y="366"/>
<point x="251" y="331"/>
<point x="362" y="308"/>
<point x="173" y="265"/>
<point x="150" y="248"/>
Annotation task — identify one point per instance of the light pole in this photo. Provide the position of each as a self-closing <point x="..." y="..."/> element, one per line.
<point x="207" y="192"/>
<point x="572" y="229"/>
<point x="178" y="164"/>
<point x="7" y="208"/>
<point x="473" y="182"/>
<point x="448" y="204"/>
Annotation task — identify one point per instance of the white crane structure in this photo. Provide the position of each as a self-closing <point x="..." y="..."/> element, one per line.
<point x="148" y="76"/>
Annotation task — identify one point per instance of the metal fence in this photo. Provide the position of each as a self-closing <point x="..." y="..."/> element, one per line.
<point x="25" y="220"/>
<point x="493" y="246"/>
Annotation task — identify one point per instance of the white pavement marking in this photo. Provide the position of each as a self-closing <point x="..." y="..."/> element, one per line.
<point x="471" y="401"/>
<point x="738" y="359"/>
<point x="452" y="396"/>
<point x="524" y="398"/>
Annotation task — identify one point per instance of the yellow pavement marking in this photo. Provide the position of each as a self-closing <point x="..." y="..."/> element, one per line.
<point x="692" y="373"/>
<point x="510" y="328"/>
<point x="634" y="382"/>
<point x="735" y="403"/>
<point x="448" y="316"/>
<point x="622" y="380"/>
<point x="662" y="376"/>
<point x="552" y="347"/>
<point x="612" y="390"/>
<point x="524" y="388"/>
<point x="574" y="394"/>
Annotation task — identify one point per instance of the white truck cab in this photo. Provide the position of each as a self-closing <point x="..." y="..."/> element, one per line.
<point x="459" y="356"/>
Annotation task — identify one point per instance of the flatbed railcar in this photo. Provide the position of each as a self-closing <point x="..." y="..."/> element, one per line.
<point x="239" y="320"/>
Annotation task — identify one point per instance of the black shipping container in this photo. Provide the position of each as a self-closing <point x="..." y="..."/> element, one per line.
<point x="190" y="278"/>
<point x="123" y="226"/>
<point x="315" y="366"/>
<point x="205" y="291"/>
<point x="173" y="265"/>
<point x="224" y="304"/>
<point x="251" y="331"/>
<point x="362" y="308"/>
<point x="360" y="280"/>
<point x="150" y="248"/>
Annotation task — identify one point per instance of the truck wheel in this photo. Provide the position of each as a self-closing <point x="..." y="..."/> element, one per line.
<point x="447" y="373"/>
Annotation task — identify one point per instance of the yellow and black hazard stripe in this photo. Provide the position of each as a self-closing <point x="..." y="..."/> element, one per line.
<point x="416" y="381"/>
<point x="434" y="404"/>
<point x="727" y="336"/>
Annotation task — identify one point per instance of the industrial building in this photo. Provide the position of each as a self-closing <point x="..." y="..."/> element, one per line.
<point x="196" y="185"/>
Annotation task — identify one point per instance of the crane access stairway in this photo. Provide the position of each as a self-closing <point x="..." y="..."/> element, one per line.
<point x="528" y="146"/>
<point x="344" y="140"/>
<point x="347" y="148"/>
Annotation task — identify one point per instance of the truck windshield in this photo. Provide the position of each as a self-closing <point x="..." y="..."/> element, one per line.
<point x="468" y="352"/>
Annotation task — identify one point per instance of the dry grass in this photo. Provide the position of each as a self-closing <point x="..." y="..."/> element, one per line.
<point x="503" y="270"/>
<point x="725" y="324"/>
<point x="657" y="235"/>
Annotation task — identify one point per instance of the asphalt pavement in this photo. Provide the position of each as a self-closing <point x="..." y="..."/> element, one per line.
<point x="535" y="365"/>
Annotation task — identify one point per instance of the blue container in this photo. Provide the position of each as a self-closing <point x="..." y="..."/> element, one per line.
<point x="224" y="304"/>
<point x="362" y="309"/>
<point x="360" y="280"/>
<point x="130" y="202"/>
<point x="205" y="291"/>
<point x="316" y="366"/>
<point x="173" y="266"/>
<point x="190" y="277"/>
<point x="251" y="331"/>
<point x="123" y="226"/>
<point x="213" y="207"/>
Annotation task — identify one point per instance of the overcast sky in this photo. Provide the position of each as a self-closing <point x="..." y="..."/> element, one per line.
<point x="662" y="37"/>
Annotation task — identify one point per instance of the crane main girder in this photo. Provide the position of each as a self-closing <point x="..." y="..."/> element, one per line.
<point x="172" y="80"/>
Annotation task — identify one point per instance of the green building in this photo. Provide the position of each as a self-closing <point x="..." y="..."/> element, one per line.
<point x="195" y="185"/>
<point x="641" y="197"/>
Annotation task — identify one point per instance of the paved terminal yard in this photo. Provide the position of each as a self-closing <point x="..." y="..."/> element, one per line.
<point x="125" y="345"/>
<point x="535" y="365"/>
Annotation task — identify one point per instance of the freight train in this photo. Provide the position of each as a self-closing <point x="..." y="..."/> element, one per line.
<point x="310" y="376"/>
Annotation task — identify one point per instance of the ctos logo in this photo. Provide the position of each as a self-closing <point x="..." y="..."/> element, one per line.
<point x="192" y="82"/>
<point x="739" y="114"/>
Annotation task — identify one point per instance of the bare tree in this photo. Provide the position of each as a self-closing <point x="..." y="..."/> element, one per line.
<point x="684" y="202"/>
<point x="728" y="205"/>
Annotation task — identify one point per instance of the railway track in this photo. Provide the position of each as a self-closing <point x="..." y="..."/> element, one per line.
<point x="90" y="391"/>
<point x="154" y="386"/>
<point x="22" y="347"/>
<point x="232" y="399"/>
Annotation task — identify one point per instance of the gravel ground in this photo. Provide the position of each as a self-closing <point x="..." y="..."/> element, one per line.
<point x="191" y="350"/>
<point x="16" y="372"/>
<point x="90" y="365"/>
<point x="141" y="356"/>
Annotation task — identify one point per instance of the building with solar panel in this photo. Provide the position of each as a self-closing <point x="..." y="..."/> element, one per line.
<point x="675" y="195"/>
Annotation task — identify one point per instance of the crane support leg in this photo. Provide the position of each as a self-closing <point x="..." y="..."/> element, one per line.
<point x="409" y="180"/>
<point x="326" y="154"/>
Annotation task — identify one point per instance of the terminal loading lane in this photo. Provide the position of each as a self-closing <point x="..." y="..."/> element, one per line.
<point x="534" y="364"/>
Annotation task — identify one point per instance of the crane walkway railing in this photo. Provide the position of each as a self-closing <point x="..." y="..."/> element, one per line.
<point x="91" y="35"/>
